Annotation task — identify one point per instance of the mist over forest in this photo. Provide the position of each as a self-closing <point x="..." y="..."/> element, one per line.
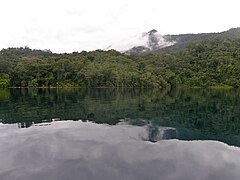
<point x="194" y="60"/>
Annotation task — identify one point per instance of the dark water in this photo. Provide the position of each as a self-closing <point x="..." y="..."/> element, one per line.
<point x="106" y="134"/>
<point x="193" y="114"/>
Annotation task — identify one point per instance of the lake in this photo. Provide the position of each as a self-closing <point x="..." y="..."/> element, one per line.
<point x="119" y="134"/>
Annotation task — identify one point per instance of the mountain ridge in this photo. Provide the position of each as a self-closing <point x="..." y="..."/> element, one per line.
<point x="176" y="42"/>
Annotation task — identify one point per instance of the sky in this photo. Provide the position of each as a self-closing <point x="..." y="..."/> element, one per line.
<point x="76" y="25"/>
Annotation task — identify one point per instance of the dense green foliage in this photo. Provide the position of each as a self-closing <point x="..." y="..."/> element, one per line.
<point x="208" y="63"/>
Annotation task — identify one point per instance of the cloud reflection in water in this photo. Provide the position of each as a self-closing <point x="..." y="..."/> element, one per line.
<point x="84" y="150"/>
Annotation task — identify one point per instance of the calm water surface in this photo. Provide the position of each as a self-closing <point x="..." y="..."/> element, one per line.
<point x="119" y="134"/>
<point x="188" y="114"/>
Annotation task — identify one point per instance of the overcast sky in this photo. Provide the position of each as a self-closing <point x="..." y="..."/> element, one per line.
<point x="76" y="25"/>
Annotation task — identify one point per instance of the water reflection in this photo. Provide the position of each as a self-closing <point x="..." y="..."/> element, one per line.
<point x="154" y="132"/>
<point x="195" y="113"/>
<point x="85" y="150"/>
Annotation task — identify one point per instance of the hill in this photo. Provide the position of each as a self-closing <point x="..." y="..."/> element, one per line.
<point x="153" y="41"/>
<point x="213" y="62"/>
<point x="183" y="40"/>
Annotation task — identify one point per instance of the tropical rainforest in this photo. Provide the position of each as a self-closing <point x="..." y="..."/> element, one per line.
<point x="209" y="63"/>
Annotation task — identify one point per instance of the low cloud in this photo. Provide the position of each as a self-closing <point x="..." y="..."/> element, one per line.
<point x="149" y="41"/>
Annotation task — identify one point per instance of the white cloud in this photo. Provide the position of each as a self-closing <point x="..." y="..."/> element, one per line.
<point x="75" y="25"/>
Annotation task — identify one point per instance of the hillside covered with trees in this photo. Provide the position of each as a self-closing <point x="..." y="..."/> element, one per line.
<point x="214" y="62"/>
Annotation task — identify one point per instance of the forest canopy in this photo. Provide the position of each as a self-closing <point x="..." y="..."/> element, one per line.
<point x="208" y="63"/>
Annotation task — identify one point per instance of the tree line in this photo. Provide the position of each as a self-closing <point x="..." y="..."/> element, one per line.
<point x="208" y="63"/>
